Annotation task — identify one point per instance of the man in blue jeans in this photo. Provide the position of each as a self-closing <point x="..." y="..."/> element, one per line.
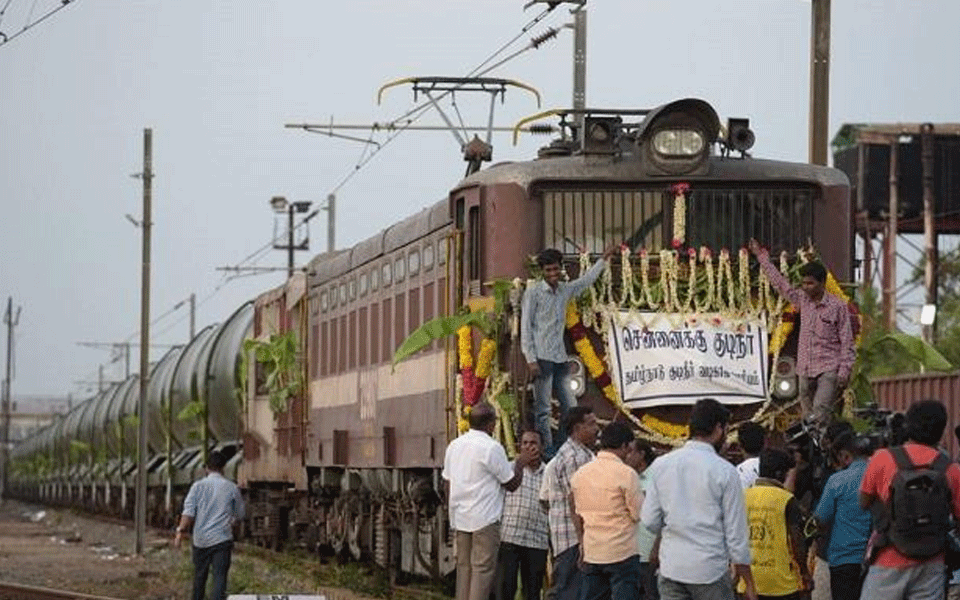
<point x="211" y="507"/>
<point x="541" y="339"/>
<point x="839" y="508"/>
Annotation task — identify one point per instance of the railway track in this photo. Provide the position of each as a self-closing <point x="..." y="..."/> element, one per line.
<point x="15" y="591"/>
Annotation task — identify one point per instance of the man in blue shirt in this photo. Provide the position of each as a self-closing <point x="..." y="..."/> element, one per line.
<point x="839" y="508"/>
<point x="211" y="507"/>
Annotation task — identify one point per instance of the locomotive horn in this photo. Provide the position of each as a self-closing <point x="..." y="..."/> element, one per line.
<point x="739" y="135"/>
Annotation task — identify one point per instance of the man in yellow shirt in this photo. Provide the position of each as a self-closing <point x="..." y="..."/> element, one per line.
<point x="605" y="499"/>
<point x="776" y="532"/>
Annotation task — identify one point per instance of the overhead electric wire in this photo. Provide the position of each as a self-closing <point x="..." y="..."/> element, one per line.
<point x="4" y="38"/>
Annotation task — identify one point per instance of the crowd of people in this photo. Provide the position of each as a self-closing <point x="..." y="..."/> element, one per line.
<point x="623" y="523"/>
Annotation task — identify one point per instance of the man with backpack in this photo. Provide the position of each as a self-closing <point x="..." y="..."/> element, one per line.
<point x="912" y="490"/>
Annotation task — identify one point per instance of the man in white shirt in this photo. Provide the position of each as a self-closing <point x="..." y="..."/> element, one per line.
<point x="695" y="502"/>
<point x="477" y="471"/>
<point x="752" y="438"/>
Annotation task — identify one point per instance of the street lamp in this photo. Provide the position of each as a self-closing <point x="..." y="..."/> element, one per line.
<point x="280" y="205"/>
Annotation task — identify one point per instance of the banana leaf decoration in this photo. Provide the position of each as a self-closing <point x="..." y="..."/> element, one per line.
<point x="437" y="329"/>
<point x="869" y="356"/>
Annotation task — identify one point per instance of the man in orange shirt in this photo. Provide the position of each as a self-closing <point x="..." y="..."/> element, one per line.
<point x="605" y="500"/>
<point x="898" y="573"/>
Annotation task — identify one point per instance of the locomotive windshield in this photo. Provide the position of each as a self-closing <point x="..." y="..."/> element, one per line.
<point x="716" y="217"/>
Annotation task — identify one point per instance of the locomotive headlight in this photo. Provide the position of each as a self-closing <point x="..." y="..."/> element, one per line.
<point x="576" y="376"/>
<point x="785" y="382"/>
<point x="678" y="142"/>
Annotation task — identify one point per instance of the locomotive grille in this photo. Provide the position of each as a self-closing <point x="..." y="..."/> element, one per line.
<point x="717" y="217"/>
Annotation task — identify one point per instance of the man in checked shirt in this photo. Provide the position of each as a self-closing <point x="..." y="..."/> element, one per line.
<point x="555" y="495"/>
<point x="524" y="532"/>
<point x="825" y="351"/>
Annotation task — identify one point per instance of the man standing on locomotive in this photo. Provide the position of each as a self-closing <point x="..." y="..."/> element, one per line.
<point x="825" y="352"/>
<point x="541" y="339"/>
<point x="477" y="471"/>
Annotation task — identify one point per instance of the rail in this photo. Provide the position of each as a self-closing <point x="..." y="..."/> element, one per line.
<point x="16" y="591"/>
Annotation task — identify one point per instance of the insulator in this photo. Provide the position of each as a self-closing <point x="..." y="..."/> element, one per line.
<point x="547" y="35"/>
<point x="541" y="129"/>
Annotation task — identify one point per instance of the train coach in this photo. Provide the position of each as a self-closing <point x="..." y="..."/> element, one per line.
<point x="348" y="457"/>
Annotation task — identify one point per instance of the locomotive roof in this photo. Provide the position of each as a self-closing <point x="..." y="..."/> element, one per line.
<point x="608" y="169"/>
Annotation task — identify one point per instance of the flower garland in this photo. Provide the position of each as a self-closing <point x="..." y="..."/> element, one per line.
<point x="679" y="213"/>
<point x="473" y="381"/>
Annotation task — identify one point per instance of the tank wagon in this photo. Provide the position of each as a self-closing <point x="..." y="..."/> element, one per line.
<point x="351" y="460"/>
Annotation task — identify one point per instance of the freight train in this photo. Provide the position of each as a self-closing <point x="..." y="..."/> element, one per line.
<point x="346" y="454"/>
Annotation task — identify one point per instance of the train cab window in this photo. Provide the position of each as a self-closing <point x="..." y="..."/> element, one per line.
<point x="428" y="257"/>
<point x="343" y="294"/>
<point x="442" y="252"/>
<point x="413" y="262"/>
<point x="324" y="301"/>
<point x="352" y="286"/>
<point x="399" y="269"/>
<point x="364" y="283"/>
<point x="473" y="239"/>
<point x="387" y="274"/>
<point x="374" y="279"/>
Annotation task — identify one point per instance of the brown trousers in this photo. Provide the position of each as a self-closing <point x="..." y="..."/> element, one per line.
<point x="477" y="562"/>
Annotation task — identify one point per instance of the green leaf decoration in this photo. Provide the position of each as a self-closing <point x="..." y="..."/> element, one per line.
<point x="436" y="329"/>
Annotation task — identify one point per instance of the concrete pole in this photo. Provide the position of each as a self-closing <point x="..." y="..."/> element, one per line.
<point x="290" y="241"/>
<point x="8" y="318"/>
<point x="141" y="496"/>
<point x="890" y="246"/>
<point x="819" y="80"/>
<point x="193" y="316"/>
<point x="929" y="228"/>
<point x="331" y="222"/>
<point x="579" y="67"/>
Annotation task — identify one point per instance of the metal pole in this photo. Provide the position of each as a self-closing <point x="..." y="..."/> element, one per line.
<point x="890" y="247"/>
<point x="193" y="315"/>
<point x="331" y="221"/>
<point x="290" y="241"/>
<point x="929" y="228"/>
<point x="819" y="80"/>
<point x="141" y="498"/>
<point x="5" y="433"/>
<point x="579" y="67"/>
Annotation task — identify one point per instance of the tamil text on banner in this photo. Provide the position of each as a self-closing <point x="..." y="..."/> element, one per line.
<point x="661" y="358"/>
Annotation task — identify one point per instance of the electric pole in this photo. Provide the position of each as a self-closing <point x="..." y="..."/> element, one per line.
<point x="11" y="321"/>
<point x="819" y="80"/>
<point x="146" y="224"/>
<point x="331" y="209"/>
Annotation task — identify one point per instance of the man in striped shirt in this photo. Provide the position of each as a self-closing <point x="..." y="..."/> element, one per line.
<point x="211" y="507"/>
<point x="543" y="318"/>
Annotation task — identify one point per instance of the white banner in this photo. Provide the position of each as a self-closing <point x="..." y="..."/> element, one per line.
<point x="660" y="359"/>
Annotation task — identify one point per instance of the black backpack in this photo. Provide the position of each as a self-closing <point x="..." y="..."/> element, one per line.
<point x="919" y="507"/>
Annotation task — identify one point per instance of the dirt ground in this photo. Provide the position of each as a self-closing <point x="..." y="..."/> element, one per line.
<point x="64" y="550"/>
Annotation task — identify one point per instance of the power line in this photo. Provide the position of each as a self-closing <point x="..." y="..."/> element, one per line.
<point x="5" y="39"/>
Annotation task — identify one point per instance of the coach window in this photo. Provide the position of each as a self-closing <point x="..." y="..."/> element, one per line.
<point x="399" y="269"/>
<point x="324" y="301"/>
<point x="387" y="277"/>
<point x="374" y="279"/>
<point x="343" y="294"/>
<point x="364" y="283"/>
<point x="333" y="296"/>
<point x="413" y="262"/>
<point x="353" y="289"/>
<point x="442" y="252"/>
<point x="428" y="257"/>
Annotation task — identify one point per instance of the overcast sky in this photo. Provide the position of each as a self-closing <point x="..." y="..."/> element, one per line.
<point x="218" y="80"/>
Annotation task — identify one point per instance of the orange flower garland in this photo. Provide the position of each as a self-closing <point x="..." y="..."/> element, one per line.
<point x="473" y="382"/>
